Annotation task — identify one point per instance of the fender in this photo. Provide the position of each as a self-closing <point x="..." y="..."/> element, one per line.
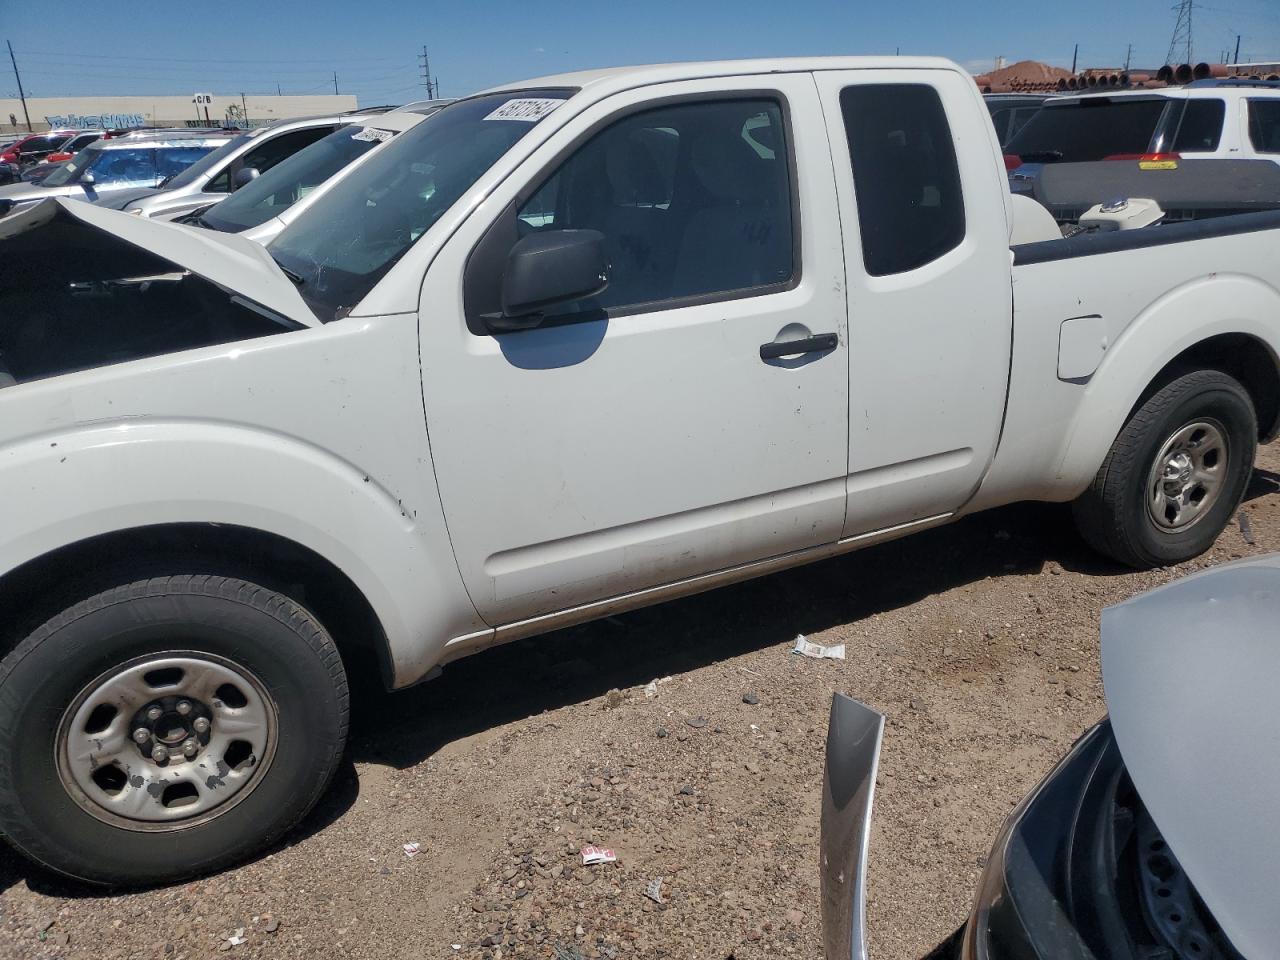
<point x="66" y="486"/>
<point x="1189" y="314"/>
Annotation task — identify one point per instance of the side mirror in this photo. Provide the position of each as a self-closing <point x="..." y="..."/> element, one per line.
<point x="245" y="175"/>
<point x="548" y="270"/>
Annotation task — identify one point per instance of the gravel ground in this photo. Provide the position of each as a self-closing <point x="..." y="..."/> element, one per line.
<point x="979" y="641"/>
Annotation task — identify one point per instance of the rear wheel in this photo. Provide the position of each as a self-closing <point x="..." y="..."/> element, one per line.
<point x="166" y="728"/>
<point x="1175" y="475"/>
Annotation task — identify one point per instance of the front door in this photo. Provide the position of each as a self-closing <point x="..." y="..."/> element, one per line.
<point x="922" y="199"/>
<point x="657" y="431"/>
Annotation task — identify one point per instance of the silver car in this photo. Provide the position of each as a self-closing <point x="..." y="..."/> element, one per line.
<point x="266" y="206"/>
<point x="238" y="162"/>
<point x="108" y="168"/>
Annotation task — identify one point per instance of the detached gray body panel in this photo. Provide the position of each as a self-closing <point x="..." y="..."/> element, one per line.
<point x="848" y="789"/>
<point x="1192" y="677"/>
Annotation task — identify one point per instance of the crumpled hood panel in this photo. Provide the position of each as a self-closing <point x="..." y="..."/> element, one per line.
<point x="1192" y="677"/>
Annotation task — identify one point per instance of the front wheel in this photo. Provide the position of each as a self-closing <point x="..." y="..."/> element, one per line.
<point x="1175" y="475"/>
<point x="167" y="728"/>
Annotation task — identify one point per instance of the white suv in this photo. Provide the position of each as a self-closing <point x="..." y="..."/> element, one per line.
<point x="1208" y="119"/>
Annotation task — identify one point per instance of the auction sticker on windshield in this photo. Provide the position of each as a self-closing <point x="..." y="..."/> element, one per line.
<point x="370" y="134"/>
<point x="530" y="110"/>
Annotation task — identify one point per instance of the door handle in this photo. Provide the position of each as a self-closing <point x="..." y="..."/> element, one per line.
<point x="791" y="348"/>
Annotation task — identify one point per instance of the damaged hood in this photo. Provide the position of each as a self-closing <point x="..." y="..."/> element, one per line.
<point x="231" y="262"/>
<point x="1192" y="674"/>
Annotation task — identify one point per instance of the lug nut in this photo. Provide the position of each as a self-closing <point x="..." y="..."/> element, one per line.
<point x="184" y="707"/>
<point x="201" y="724"/>
<point x="159" y="754"/>
<point x="141" y="735"/>
<point x="154" y="713"/>
<point x="190" y="746"/>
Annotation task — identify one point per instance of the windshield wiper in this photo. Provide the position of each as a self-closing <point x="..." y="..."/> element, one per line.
<point x="297" y="278"/>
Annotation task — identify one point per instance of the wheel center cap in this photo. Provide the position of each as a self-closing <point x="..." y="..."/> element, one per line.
<point x="1177" y="469"/>
<point x="171" y="729"/>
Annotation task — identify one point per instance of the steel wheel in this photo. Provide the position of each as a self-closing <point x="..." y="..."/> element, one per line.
<point x="1188" y="475"/>
<point x="166" y="741"/>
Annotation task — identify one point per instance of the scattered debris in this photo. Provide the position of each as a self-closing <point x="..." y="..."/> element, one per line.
<point x="697" y="722"/>
<point x="808" y="648"/>
<point x="1246" y="528"/>
<point x="272" y="925"/>
<point x="651" y="688"/>
<point x="237" y="938"/>
<point x="662" y="733"/>
<point x="593" y="855"/>
<point x="750" y="698"/>
<point x="654" y="890"/>
<point x="412" y="849"/>
<point x="686" y="791"/>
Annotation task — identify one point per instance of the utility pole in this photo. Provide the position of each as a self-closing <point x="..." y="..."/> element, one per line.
<point x="1075" y="55"/>
<point x="1181" y="38"/>
<point x="1128" y="58"/>
<point x="1237" y="59"/>
<point x="278" y="93"/>
<point x="244" y="111"/>
<point x="335" y="83"/>
<point x="427" y="80"/>
<point x="21" y="93"/>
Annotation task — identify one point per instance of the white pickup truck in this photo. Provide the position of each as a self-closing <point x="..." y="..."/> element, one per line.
<point x="563" y="348"/>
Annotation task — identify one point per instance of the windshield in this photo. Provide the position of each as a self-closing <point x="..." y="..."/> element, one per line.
<point x="342" y="244"/>
<point x="207" y="163"/>
<point x="1089" y="129"/>
<point x="292" y="179"/>
<point x="70" y="171"/>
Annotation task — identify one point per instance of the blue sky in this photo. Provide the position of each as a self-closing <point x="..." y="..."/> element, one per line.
<point x="67" y="48"/>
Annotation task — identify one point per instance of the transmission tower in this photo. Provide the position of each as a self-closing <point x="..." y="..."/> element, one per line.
<point x="1181" y="40"/>
<point x="428" y="80"/>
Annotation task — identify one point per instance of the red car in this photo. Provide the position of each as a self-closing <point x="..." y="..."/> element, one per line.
<point x="36" y="147"/>
<point x="74" y="145"/>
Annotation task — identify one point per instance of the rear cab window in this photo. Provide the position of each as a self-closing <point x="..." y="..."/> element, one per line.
<point x="1091" y="128"/>
<point x="905" y="175"/>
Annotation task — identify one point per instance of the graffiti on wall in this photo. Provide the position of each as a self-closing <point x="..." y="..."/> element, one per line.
<point x="108" y="121"/>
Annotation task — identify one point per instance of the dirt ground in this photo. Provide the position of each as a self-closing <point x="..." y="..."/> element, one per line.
<point x="979" y="641"/>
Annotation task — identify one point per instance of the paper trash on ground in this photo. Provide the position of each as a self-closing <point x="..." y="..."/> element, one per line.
<point x="593" y="855"/>
<point x="808" y="648"/>
<point x="412" y="849"/>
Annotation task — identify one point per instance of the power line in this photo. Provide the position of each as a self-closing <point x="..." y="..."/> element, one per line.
<point x="199" y="60"/>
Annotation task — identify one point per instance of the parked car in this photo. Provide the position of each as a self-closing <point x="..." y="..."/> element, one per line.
<point x="1153" y="836"/>
<point x="264" y="207"/>
<point x="1009" y="111"/>
<point x="238" y="162"/>
<point x="1208" y="119"/>
<point x="35" y="147"/>
<point x="38" y="171"/>
<point x="633" y="309"/>
<point x="74" y="145"/>
<point x="108" y="167"/>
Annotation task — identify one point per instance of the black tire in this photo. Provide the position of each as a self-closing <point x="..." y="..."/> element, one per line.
<point x="1113" y="516"/>
<point x="229" y="621"/>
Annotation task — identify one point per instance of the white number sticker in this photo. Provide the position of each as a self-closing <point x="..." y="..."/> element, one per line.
<point x="530" y="110"/>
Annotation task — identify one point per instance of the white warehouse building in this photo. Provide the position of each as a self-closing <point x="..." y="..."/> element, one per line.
<point x="88" y="113"/>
